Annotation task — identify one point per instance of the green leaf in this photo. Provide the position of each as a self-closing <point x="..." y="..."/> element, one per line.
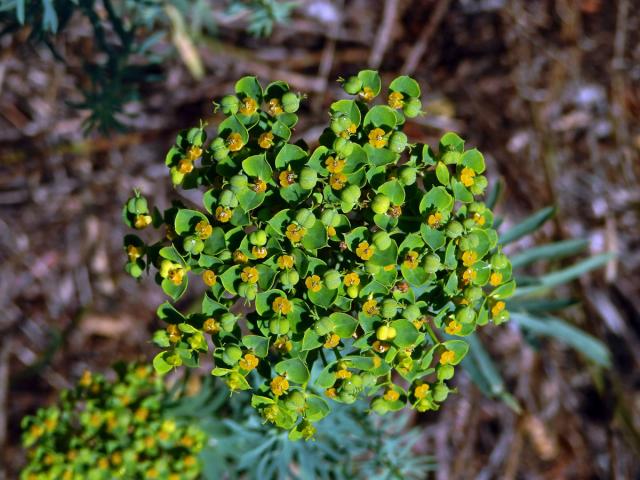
<point x="229" y="278"/>
<point x="451" y="141"/>
<point x="173" y="290"/>
<point x="250" y="200"/>
<point x="290" y="154"/>
<point x="405" y="85"/>
<point x="233" y="125"/>
<point x="310" y="341"/>
<point x="460" y="192"/>
<point x="323" y="298"/>
<point x="250" y="86"/>
<point x="371" y="79"/>
<point x="432" y="237"/>
<point x="551" y="251"/>
<point x="504" y="291"/>
<point x="160" y="364"/>
<point x="345" y="325"/>
<point x="257" y="166"/>
<point x="394" y="190"/>
<point x="315" y="237"/>
<point x="415" y="276"/>
<point x="169" y="314"/>
<point x="215" y="243"/>
<point x="294" y="369"/>
<point x="186" y="221"/>
<point x="442" y="173"/>
<point x="437" y="197"/>
<point x="348" y="108"/>
<point x="380" y="156"/>
<point x="281" y="130"/>
<point x="327" y="377"/>
<point x="406" y="333"/>
<point x="566" y="333"/>
<point x="527" y="226"/>
<point x="211" y="307"/>
<point x="474" y="160"/>
<point x="380" y="116"/>
<point x="259" y="345"/>
<point x="265" y="299"/>
<point x="170" y="253"/>
<point x="317" y="408"/>
<point x="459" y="347"/>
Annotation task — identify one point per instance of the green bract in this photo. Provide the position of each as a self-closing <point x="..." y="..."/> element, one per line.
<point x="104" y="430"/>
<point x="355" y="265"/>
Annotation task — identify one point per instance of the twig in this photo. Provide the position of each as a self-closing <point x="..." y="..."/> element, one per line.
<point x="4" y="395"/>
<point x="385" y="32"/>
<point x="419" y="49"/>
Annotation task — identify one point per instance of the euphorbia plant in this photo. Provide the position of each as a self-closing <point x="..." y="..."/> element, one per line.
<point x="367" y="256"/>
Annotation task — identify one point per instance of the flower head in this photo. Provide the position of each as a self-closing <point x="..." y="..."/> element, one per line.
<point x="497" y="308"/>
<point x="495" y="279"/>
<point x="370" y="307"/>
<point x="434" y="220"/>
<point x="295" y="232"/>
<point x="365" y="251"/>
<point x="411" y="260"/>
<point x="395" y="100"/>
<point x="466" y="176"/>
<point x="469" y="275"/>
<point x="259" y="186"/>
<point x="223" y="214"/>
<point x="335" y="165"/>
<point x="447" y="357"/>
<point x="282" y="306"/>
<point x="259" y="252"/>
<point x="234" y="142"/>
<point x="313" y="283"/>
<point x="209" y="278"/>
<point x="453" y="328"/>
<point x="285" y="261"/>
<point x="249" y="275"/>
<point x="203" y="230"/>
<point x="287" y="178"/>
<point x="248" y="362"/>
<point x="274" y="107"/>
<point x="469" y="258"/>
<point x="337" y="181"/>
<point x="279" y="385"/>
<point x="391" y="395"/>
<point x="332" y="341"/>
<point x="248" y="106"/>
<point x="239" y="257"/>
<point x="377" y="138"/>
<point x="185" y="166"/>
<point x="266" y="140"/>
<point x="421" y="391"/>
<point x="367" y="94"/>
<point x="351" y="279"/>
<point x="134" y="252"/>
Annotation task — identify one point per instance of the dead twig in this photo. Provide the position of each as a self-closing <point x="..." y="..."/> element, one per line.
<point x="385" y="33"/>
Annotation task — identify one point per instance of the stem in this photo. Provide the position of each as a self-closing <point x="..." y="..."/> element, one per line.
<point x="432" y="334"/>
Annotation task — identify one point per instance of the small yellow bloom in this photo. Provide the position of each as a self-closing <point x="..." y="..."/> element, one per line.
<point x="479" y="218"/>
<point x="234" y="142"/>
<point x="498" y="308"/>
<point x="248" y="362"/>
<point x="142" y="221"/>
<point x="367" y="94"/>
<point x="495" y="279"/>
<point x="285" y="261"/>
<point x="434" y="220"/>
<point x="466" y="176"/>
<point x="176" y="275"/>
<point x="313" y="283"/>
<point x="353" y="128"/>
<point x="394" y="211"/>
<point x="295" y="232"/>
<point x="343" y="373"/>
<point x="266" y="140"/>
<point x="248" y="107"/>
<point x="453" y="328"/>
<point x="209" y="278"/>
<point x="282" y="344"/>
<point x="421" y="391"/>
<point x="469" y="258"/>
<point x="331" y="231"/>
<point x="396" y="100"/>
<point x="332" y="341"/>
<point x="134" y="252"/>
<point x="411" y="260"/>
<point x="365" y="251"/>
<point x="194" y="153"/>
<point x="370" y="307"/>
<point x="331" y="392"/>
<point x="259" y="252"/>
<point x="377" y="138"/>
<point x="279" y="385"/>
<point x="287" y="178"/>
<point x="380" y="347"/>
<point x="351" y="279"/>
<point x="86" y="379"/>
<point x="469" y="275"/>
<point x="335" y="165"/>
<point x="447" y="357"/>
<point x="249" y="275"/>
<point x="337" y="181"/>
<point x="223" y="214"/>
<point x="185" y="166"/>
<point x="282" y="306"/>
<point x="203" y="230"/>
<point x="211" y="326"/>
<point x="391" y="395"/>
<point x="239" y="257"/>
<point x="259" y="186"/>
<point x="274" y="107"/>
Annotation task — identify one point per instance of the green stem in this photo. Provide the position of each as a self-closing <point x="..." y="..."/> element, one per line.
<point x="432" y="334"/>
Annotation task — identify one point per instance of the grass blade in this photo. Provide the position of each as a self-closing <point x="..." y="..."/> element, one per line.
<point x="550" y="251"/>
<point x="527" y="226"/>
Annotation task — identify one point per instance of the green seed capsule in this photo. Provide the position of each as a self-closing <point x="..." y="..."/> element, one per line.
<point x="343" y="147"/>
<point x="279" y="326"/>
<point x="452" y="157"/>
<point x="412" y="108"/>
<point x="332" y="279"/>
<point x="466" y="315"/>
<point x="432" y="263"/>
<point x="381" y="240"/>
<point x="464" y="244"/>
<point x="324" y="326"/>
<point x="502" y="317"/>
<point x="232" y="354"/>
<point x="229" y="104"/>
<point x="193" y="244"/>
<point x="499" y="261"/>
<point x="290" y="102"/>
<point x="372" y="268"/>
<point x="228" y="199"/>
<point x="389" y="308"/>
<point x="469" y="223"/>
<point x="330" y="218"/>
<point x="353" y="85"/>
<point x="295" y="400"/>
<point x="473" y="294"/>
<point x="353" y="384"/>
<point x="258" y="238"/>
<point x="441" y="392"/>
<point x="444" y="372"/>
<point x="289" y="277"/>
<point x="238" y="182"/>
<point x="228" y="321"/>
<point x="177" y="177"/>
<point x="398" y="142"/>
<point x="412" y="312"/>
<point x="248" y="290"/>
<point x="346" y="397"/>
<point x="474" y="240"/>
<point x="133" y="269"/>
<point x="308" y="178"/>
<point x="351" y="194"/>
<point x="141" y="206"/>
<point x="454" y="229"/>
<point x="380" y="204"/>
<point x="335" y="126"/>
<point x="344" y="122"/>
<point x="407" y="175"/>
<point x="305" y="217"/>
<point x="353" y="291"/>
<point x="379" y="405"/>
<point x="219" y="149"/>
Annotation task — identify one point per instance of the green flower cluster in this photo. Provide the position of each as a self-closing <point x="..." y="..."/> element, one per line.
<point x="103" y="430"/>
<point x="351" y="256"/>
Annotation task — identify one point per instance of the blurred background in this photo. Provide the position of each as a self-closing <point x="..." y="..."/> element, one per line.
<point x="93" y="93"/>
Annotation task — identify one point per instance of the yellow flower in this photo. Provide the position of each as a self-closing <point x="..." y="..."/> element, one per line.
<point x="367" y="94"/>
<point x="394" y="211"/>
<point x="185" y="166"/>
<point x="203" y="230"/>
<point x="282" y="345"/>
<point x="343" y="373"/>
<point x="395" y="100"/>
<point x="453" y="328"/>
<point x="337" y="181"/>
<point x="274" y="107"/>
<point x="209" y="278"/>
<point x="469" y="258"/>
<point x="239" y="257"/>
<point x="287" y="178"/>
<point x="365" y="251"/>
<point x="331" y="392"/>
<point x="248" y="362"/>
<point x="332" y="341"/>
<point x="370" y="307"/>
<point x="478" y="218"/>
<point x="142" y="221"/>
<point x="411" y="260"/>
<point x="259" y="186"/>
<point x="234" y="142"/>
<point x="334" y="165"/>
<point x="313" y="283"/>
<point x="259" y="252"/>
<point x="466" y="176"/>
<point x="134" y="252"/>
<point x="86" y="380"/>
<point x="248" y="107"/>
<point x="447" y="357"/>
<point x="223" y="214"/>
<point x="295" y="232"/>
<point x="266" y="140"/>
<point x="194" y="153"/>
<point x="282" y="306"/>
<point x="176" y="275"/>
<point x="279" y="385"/>
<point x="434" y="220"/>
<point x="380" y="347"/>
<point x="211" y="326"/>
<point x="331" y="231"/>
<point x="497" y="308"/>
<point x="353" y="128"/>
<point x="391" y="395"/>
<point x="469" y="275"/>
<point x="495" y="279"/>
<point x="421" y="391"/>
<point x="249" y="275"/>
<point x="351" y="279"/>
<point x="377" y="138"/>
<point x="285" y="261"/>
